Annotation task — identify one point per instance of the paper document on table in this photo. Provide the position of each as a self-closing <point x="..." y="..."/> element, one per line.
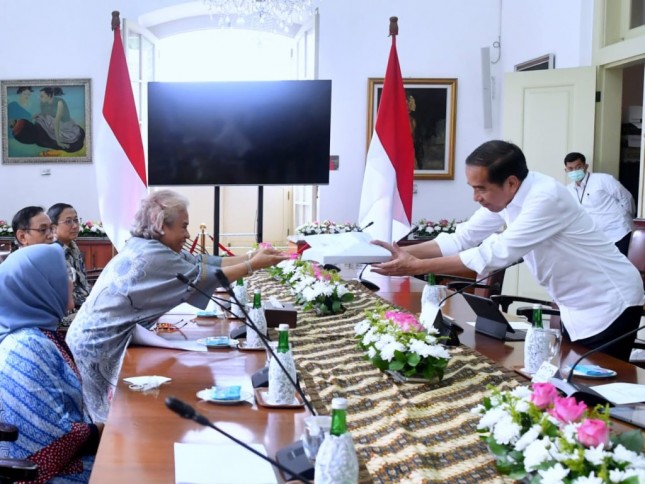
<point x="145" y="337"/>
<point x="622" y="393"/>
<point x="345" y="248"/>
<point x="221" y="464"/>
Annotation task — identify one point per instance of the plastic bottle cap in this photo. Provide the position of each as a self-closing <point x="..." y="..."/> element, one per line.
<point x="283" y="327"/>
<point x="339" y="404"/>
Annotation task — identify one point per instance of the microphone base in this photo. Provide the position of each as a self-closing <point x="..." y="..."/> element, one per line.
<point x="237" y="333"/>
<point x="293" y="457"/>
<point x="260" y="379"/>
<point x="369" y="284"/>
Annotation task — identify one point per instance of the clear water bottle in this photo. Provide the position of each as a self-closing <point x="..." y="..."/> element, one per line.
<point x="281" y="390"/>
<point x="336" y="462"/>
<point x="253" y="340"/>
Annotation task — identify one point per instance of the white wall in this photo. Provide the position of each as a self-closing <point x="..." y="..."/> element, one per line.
<point x="72" y="39"/>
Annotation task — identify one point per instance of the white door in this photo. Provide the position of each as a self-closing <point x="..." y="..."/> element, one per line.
<point x="548" y="114"/>
<point x="305" y="56"/>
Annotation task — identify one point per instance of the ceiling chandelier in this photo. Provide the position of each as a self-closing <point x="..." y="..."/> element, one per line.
<point x="274" y="15"/>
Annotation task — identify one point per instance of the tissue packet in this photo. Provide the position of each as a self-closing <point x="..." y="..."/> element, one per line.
<point x="227" y="393"/>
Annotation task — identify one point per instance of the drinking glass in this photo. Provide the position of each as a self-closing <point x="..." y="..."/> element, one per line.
<point x="316" y="427"/>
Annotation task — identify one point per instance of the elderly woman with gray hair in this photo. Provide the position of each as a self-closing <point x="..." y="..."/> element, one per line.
<point x="139" y="285"/>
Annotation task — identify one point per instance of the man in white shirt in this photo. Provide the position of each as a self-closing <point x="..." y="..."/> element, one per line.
<point x="609" y="203"/>
<point x="599" y="292"/>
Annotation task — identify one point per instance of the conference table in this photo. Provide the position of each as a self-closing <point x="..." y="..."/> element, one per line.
<point x="403" y="432"/>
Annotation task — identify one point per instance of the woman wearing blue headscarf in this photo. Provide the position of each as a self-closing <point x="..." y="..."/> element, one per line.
<point x="41" y="387"/>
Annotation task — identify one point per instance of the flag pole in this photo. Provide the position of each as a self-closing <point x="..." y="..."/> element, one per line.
<point x="116" y="20"/>
<point x="386" y="195"/>
<point x="394" y="26"/>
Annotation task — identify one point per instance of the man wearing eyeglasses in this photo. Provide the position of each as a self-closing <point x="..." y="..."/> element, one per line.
<point x="32" y="226"/>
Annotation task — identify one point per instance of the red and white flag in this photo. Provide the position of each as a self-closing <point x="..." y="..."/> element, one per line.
<point x="386" y="197"/>
<point x="119" y="161"/>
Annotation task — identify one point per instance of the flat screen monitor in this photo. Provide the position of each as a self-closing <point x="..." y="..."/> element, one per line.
<point x="239" y="133"/>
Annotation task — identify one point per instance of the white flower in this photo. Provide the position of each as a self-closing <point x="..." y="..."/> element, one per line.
<point x="536" y="453"/>
<point x="384" y="340"/>
<point x="521" y="392"/>
<point x="506" y="431"/>
<point x="479" y="409"/>
<point x="341" y="290"/>
<point x="362" y="327"/>
<point x="522" y="406"/>
<point x="570" y="432"/>
<point x="370" y="337"/>
<point x="371" y="352"/>
<point x="387" y="353"/>
<point x="553" y="475"/>
<point x="491" y="417"/>
<point x="590" y="479"/>
<point x="616" y="475"/>
<point x="532" y="434"/>
<point x="596" y="455"/>
<point x="622" y="454"/>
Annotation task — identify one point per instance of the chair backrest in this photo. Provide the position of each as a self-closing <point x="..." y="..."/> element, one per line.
<point x="636" y="252"/>
<point x="486" y="287"/>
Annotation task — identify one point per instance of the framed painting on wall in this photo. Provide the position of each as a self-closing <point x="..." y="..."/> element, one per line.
<point x="46" y="121"/>
<point x="432" y="105"/>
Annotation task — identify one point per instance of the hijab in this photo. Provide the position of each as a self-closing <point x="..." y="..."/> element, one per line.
<point x="33" y="289"/>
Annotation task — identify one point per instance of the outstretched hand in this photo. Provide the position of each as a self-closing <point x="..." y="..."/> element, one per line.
<point x="402" y="263"/>
<point x="267" y="257"/>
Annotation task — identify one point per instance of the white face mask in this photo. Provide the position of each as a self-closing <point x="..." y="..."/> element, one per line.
<point x="576" y="175"/>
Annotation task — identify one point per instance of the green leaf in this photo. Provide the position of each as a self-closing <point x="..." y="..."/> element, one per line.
<point x="413" y="359"/>
<point x="335" y="307"/>
<point x="631" y="440"/>
<point x="495" y="448"/>
<point x="348" y="296"/>
<point x="396" y="365"/>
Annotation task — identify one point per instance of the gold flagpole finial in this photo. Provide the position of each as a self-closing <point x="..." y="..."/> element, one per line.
<point x="394" y="25"/>
<point x="116" y="21"/>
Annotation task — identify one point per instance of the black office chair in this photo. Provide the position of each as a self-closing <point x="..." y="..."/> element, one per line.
<point x="548" y="307"/>
<point x="12" y="470"/>
<point x="485" y="288"/>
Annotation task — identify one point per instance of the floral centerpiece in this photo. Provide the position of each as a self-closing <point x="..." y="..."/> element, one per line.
<point x="314" y="288"/>
<point x="5" y="229"/>
<point x="397" y="341"/>
<point x="547" y="438"/>
<point x="430" y="229"/>
<point x="91" y="229"/>
<point x="327" y="227"/>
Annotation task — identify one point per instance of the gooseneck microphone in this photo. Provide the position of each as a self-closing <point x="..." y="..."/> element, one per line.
<point x="368" y="225"/>
<point x="224" y="282"/>
<point x="414" y="230"/>
<point x="583" y="392"/>
<point x="186" y="411"/>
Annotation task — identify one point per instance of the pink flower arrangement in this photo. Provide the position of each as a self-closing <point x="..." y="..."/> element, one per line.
<point x="543" y="395"/>
<point x="548" y="438"/>
<point x="593" y="432"/>
<point x="405" y="321"/>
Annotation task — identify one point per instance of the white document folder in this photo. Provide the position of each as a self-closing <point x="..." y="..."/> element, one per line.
<point x="345" y="248"/>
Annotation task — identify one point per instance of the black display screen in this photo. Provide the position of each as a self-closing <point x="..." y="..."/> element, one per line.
<point x="239" y="133"/>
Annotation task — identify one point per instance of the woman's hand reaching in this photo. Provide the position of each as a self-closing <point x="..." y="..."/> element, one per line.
<point x="267" y="257"/>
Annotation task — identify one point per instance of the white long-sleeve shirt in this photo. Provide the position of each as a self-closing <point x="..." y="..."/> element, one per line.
<point x="608" y="202"/>
<point x="585" y="274"/>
